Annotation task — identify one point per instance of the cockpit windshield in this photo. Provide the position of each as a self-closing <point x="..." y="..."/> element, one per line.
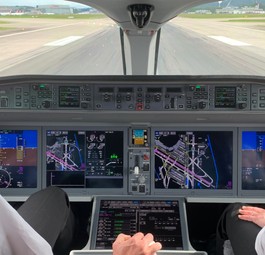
<point x="68" y="38"/>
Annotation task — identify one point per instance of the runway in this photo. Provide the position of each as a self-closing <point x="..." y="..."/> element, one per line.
<point x="81" y="47"/>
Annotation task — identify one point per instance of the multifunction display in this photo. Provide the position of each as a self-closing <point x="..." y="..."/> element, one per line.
<point x="84" y="159"/>
<point x="193" y="159"/>
<point x="159" y="217"/>
<point x="69" y="96"/>
<point x="225" y="97"/>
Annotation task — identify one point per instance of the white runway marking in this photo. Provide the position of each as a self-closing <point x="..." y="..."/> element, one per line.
<point x="64" y="41"/>
<point x="38" y="30"/>
<point x="229" y="41"/>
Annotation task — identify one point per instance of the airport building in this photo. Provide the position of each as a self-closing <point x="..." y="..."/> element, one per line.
<point x="244" y="10"/>
<point x="54" y="9"/>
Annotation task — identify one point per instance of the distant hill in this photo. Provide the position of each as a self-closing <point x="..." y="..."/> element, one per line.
<point x="231" y="3"/>
<point x="240" y="3"/>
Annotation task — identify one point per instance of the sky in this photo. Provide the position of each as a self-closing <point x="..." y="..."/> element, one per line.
<point x="37" y="2"/>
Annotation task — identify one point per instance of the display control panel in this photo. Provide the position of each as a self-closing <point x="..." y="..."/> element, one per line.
<point x="133" y="96"/>
<point x="139" y="161"/>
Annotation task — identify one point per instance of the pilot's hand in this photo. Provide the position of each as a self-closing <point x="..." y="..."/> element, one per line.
<point x="138" y="244"/>
<point x="253" y="214"/>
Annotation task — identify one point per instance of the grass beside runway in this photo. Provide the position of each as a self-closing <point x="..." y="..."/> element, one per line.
<point x="246" y="20"/>
<point x="5" y="28"/>
<point x="56" y="16"/>
<point x="233" y="17"/>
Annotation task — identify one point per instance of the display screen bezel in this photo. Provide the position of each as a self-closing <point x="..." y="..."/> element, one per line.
<point x="96" y="210"/>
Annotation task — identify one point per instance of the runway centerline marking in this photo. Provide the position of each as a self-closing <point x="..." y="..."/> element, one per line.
<point x="229" y="41"/>
<point x="64" y="41"/>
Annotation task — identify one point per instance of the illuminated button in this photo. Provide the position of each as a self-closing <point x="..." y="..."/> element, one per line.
<point x="136" y="170"/>
<point x="146" y="157"/>
<point x="139" y="106"/>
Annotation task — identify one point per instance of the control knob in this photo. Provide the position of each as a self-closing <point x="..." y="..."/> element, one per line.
<point x="141" y="179"/>
<point x="201" y="105"/>
<point x="242" y="105"/>
<point x="46" y="104"/>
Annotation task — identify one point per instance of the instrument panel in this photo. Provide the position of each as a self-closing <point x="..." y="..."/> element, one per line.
<point x="121" y="94"/>
<point x="169" y="128"/>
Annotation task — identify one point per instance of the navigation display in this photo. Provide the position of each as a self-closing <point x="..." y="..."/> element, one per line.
<point x="84" y="159"/>
<point x="193" y="160"/>
<point x="253" y="160"/>
<point x="18" y="158"/>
